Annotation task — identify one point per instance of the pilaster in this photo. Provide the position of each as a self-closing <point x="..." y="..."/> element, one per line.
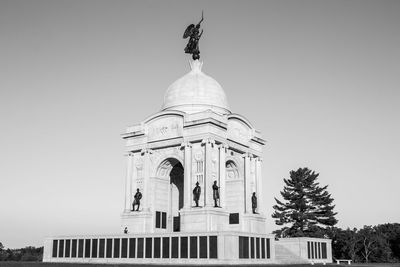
<point x="259" y="184"/>
<point x="146" y="179"/>
<point x="208" y="193"/>
<point x="128" y="181"/>
<point x="222" y="174"/>
<point x="187" y="191"/>
<point x="247" y="181"/>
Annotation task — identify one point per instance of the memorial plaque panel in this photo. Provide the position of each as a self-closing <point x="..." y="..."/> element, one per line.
<point x="149" y="246"/>
<point x="140" y="247"/>
<point x="193" y="247"/>
<point x="233" y="218"/>
<point x="87" y="248"/>
<point x="252" y="247"/>
<point x="158" y="219"/>
<point x="132" y="247"/>
<point x="102" y="247"/>
<point x="164" y="220"/>
<point x="94" y="248"/>
<point x="312" y="250"/>
<point x="263" y="248"/>
<point x="203" y="247"/>
<point x="174" y="247"/>
<point x="80" y="248"/>
<point x="324" y="254"/>
<point x="55" y="245"/>
<point x="124" y="248"/>
<point x="213" y="253"/>
<point x="74" y="247"/>
<point x="184" y="247"/>
<point x="109" y="248"/>
<point x="67" y="248"/>
<point x="246" y="247"/>
<point x="165" y="247"/>
<point x="116" y="247"/>
<point x="157" y="247"/>
<point x="61" y="249"/>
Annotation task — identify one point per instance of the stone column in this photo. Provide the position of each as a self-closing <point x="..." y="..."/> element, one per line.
<point x="222" y="174"/>
<point x="146" y="179"/>
<point x="259" y="184"/>
<point x="128" y="182"/>
<point x="247" y="179"/>
<point x="187" y="183"/>
<point x="208" y="192"/>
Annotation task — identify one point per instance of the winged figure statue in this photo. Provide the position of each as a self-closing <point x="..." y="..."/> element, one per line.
<point x="193" y="33"/>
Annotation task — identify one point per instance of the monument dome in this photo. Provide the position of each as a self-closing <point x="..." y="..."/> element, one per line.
<point x="196" y="92"/>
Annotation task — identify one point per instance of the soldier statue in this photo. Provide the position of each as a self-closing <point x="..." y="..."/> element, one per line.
<point x="137" y="197"/>
<point x="254" y="202"/>
<point x="215" y="194"/>
<point x="194" y="33"/>
<point x="196" y="194"/>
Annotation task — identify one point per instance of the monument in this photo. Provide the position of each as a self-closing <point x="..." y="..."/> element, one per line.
<point x="193" y="178"/>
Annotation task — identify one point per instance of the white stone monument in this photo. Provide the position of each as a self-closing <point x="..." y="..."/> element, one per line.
<point x="194" y="140"/>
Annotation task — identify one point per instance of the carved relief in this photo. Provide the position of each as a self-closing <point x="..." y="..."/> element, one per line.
<point x="164" y="127"/>
<point x="238" y="131"/>
<point x="232" y="172"/>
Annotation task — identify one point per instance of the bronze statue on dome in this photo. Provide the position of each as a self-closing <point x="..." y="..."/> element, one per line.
<point x="194" y="33"/>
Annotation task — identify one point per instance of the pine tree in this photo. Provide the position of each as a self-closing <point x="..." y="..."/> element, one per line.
<point x="308" y="208"/>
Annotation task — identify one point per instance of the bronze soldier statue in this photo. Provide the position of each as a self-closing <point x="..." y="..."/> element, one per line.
<point x="215" y="194"/>
<point x="254" y="202"/>
<point x="196" y="194"/>
<point x="194" y="33"/>
<point x="137" y="197"/>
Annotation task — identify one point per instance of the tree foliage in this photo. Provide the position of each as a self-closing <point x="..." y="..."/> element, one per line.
<point x="379" y="243"/>
<point x="307" y="209"/>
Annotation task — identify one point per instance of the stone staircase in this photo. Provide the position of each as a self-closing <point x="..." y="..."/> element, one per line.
<point x="284" y="256"/>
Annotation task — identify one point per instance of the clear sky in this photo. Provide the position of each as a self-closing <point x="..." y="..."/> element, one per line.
<point x="319" y="79"/>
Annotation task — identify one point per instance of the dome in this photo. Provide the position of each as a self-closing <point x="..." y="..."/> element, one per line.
<point x="196" y="92"/>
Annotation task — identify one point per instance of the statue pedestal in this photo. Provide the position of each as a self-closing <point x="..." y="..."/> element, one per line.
<point x="204" y="219"/>
<point x="138" y="221"/>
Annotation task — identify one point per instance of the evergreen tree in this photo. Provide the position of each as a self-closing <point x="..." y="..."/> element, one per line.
<point x="307" y="209"/>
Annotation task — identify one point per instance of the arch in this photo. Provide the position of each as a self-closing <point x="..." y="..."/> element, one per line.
<point x="232" y="170"/>
<point x="169" y="190"/>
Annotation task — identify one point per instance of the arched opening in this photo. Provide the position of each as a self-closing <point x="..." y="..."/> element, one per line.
<point x="171" y="174"/>
<point x="234" y="188"/>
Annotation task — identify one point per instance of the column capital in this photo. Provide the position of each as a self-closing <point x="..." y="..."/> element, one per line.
<point x="223" y="145"/>
<point x="247" y="155"/>
<point x="208" y="140"/>
<point x="260" y="159"/>
<point x="186" y="144"/>
<point x="146" y="151"/>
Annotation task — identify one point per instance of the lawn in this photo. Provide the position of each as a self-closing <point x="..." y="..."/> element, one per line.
<point x="40" y="264"/>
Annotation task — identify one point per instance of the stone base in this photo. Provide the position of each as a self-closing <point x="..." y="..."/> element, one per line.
<point x="204" y="219"/>
<point x="162" y="248"/>
<point x="138" y="221"/>
<point x="303" y="250"/>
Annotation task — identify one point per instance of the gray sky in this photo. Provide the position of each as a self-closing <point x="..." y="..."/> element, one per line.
<point x="319" y="79"/>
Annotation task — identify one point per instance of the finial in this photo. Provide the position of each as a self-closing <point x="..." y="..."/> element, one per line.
<point x="196" y="65"/>
<point x="194" y="33"/>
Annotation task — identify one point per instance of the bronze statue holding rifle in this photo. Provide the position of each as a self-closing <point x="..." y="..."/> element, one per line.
<point x="194" y="33"/>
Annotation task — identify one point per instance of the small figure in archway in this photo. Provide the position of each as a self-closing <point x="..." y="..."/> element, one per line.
<point x="254" y="202"/>
<point x="215" y="194"/>
<point x="196" y="194"/>
<point x="126" y="230"/>
<point x="137" y="197"/>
